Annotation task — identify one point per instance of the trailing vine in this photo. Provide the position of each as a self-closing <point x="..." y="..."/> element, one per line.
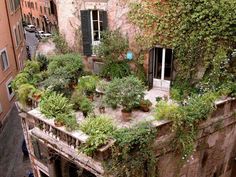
<point x="133" y="154"/>
<point x="198" y="31"/>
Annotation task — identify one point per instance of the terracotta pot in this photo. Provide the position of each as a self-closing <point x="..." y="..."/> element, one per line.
<point x="126" y="115"/>
<point x="144" y="108"/>
<point x="90" y="97"/>
<point x="58" y="123"/>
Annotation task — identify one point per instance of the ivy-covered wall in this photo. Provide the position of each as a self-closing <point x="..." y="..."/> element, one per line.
<point x="215" y="150"/>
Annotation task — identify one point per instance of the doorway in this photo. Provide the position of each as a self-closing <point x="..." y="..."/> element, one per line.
<point x="160" y="68"/>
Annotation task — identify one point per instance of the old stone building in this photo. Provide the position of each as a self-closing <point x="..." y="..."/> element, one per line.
<point x="12" y="52"/>
<point x="41" y="13"/>
<point x="81" y="22"/>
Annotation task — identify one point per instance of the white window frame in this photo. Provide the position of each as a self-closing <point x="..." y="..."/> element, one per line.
<point x="8" y="64"/>
<point x="10" y="96"/>
<point x="92" y="29"/>
<point x="17" y="41"/>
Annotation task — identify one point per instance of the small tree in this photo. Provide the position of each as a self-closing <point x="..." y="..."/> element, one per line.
<point x="127" y="92"/>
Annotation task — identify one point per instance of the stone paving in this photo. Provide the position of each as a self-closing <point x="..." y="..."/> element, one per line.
<point x="12" y="161"/>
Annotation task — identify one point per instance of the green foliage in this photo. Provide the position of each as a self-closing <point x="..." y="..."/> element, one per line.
<point x="69" y="120"/>
<point x="23" y="93"/>
<point x="60" y="43"/>
<point x="32" y="67"/>
<point x="72" y="63"/>
<point x="88" y="84"/>
<point x="43" y="62"/>
<point x="53" y="104"/>
<point x="99" y="129"/>
<point x="127" y="92"/>
<point x="203" y="37"/>
<point x="116" y="69"/>
<point x="112" y="47"/>
<point x="85" y="105"/>
<point x="76" y="99"/>
<point x="63" y="70"/>
<point x="186" y="118"/>
<point x="20" y="79"/>
<point x="133" y="154"/>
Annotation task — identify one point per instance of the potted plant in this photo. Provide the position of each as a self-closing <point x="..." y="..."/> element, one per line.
<point x="88" y="85"/>
<point x="145" y="105"/>
<point x="23" y="94"/>
<point x="86" y="106"/>
<point x="127" y="92"/>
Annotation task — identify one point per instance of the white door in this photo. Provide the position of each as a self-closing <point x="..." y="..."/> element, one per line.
<point x="162" y="64"/>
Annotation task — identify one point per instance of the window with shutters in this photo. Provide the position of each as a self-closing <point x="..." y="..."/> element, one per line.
<point x="16" y="36"/>
<point x="10" y="91"/>
<point x="4" y="60"/>
<point x="93" y="22"/>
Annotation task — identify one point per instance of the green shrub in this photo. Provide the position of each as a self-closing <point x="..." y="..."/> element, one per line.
<point x="127" y="92"/>
<point x="69" y="120"/>
<point x="76" y="99"/>
<point x="53" y="104"/>
<point x="116" y="69"/>
<point x="99" y="129"/>
<point x="20" y="79"/>
<point x="86" y="106"/>
<point x="166" y="111"/>
<point x="112" y="47"/>
<point x="72" y="63"/>
<point x="43" y="62"/>
<point x="133" y="151"/>
<point x="23" y="93"/>
<point x="60" y="43"/>
<point x="88" y="84"/>
<point x="32" y="67"/>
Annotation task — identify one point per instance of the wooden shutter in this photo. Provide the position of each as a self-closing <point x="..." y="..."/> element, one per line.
<point x="86" y="32"/>
<point x="103" y="17"/>
<point x="150" y="69"/>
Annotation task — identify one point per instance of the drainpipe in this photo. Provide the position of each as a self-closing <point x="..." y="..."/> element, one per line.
<point x="14" y="51"/>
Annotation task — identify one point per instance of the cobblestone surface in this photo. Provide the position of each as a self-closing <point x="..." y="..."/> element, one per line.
<point x="12" y="161"/>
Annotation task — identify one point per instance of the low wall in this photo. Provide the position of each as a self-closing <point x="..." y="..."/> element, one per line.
<point x="215" y="147"/>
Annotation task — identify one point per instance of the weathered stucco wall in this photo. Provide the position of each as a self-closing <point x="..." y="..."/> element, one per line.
<point x="117" y="11"/>
<point x="215" y="149"/>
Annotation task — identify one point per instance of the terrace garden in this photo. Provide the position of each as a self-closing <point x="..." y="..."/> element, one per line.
<point x="114" y="105"/>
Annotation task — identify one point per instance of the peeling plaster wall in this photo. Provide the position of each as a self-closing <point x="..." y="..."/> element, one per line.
<point x="117" y="10"/>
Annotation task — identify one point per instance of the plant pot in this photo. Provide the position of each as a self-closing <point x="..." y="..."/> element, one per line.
<point x="58" y="123"/>
<point x="126" y="115"/>
<point x="90" y="97"/>
<point x="85" y="114"/>
<point x="144" y="108"/>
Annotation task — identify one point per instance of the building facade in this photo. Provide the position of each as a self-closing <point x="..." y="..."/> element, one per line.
<point x="12" y="52"/>
<point x="81" y="22"/>
<point x="41" y="13"/>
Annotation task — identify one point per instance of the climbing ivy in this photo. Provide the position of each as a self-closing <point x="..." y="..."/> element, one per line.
<point x="199" y="32"/>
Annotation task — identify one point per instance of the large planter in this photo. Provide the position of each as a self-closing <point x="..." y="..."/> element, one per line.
<point x="126" y="115"/>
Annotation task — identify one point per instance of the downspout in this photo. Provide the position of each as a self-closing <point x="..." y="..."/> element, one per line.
<point x="14" y="51"/>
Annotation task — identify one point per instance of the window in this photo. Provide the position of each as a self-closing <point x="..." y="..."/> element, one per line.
<point x="0" y="108"/>
<point x="41" y="10"/>
<point x="93" y="22"/>
<point x="19" y="31"/>
<point x="29" y="4"/>
<point x="32" y="5"/>
<point x="16" y="37"/>
<point x="9" y="89"/>
<point x="45" y="10"/>
<point x="25" y="4"/>
<point x="4" y="60"/>
<point x="17" y="4"/>
<point x="36" y="6"/>
<point x="11" y="5"/>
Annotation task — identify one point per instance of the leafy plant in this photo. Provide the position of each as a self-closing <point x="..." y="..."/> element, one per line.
<point x="88" y="84"/>
<point x="112" y="47"/>
<point x="53" y="104"/>
<point x="133" y="150"/>
<point x="23" y="93"/>
<point x="86" y="106"/>
<point x="166" y="111"/>
<point x="69" y="120"/>
<point x="20" y="79"/>
<point x="127" y="92"/>
<point x="43" y="62"/>
<point x="116" y="69"/>
<point x="60" y="43"/>
<point x="99" y="129"/>
<point x="32" y="67"/>
<point x="76" y="99"/>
